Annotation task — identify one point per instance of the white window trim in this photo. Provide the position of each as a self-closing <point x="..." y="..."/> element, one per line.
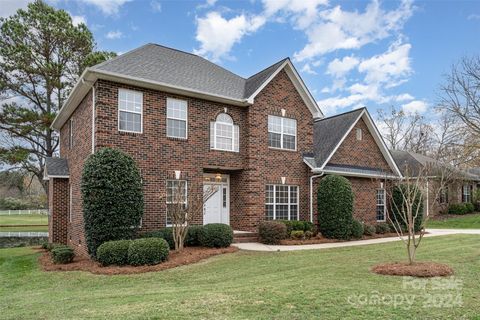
<point x="384" y="205"/>
<point x="274" y="203"/>
<point x="178" y="119"/>
<point x="466" y="194"/>
<point x="359" y="134"/>
<point x="118" y="113"/>
<point x="168" y="202"/>
<point x="282" y="134"/>
<point x="232" y="125"/>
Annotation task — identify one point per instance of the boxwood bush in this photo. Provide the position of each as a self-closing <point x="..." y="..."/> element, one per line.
<point x="297" y="225"/>
<point x="457" y="208"/>
<point x="191" y="240"/>
<point x="113" y="252"/>
<point x="357" y="229"/>
<point x="297" y="234"/>
<point x="398" y="205"/>
<point x="368" y="229"/>
<point x="193" y="236"/>
<point x="383" y="227"/>
<point x="112" y="198"/>
<point x="147" y="251"/>
<point x="469" y="207"/>
<point x="272" y="232"/>
<point x="215" y="235"/>
<point x="62" y="254"/>
<point x="335" y="207"/>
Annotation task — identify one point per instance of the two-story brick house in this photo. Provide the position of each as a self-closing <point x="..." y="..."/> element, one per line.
<point x="261" y="141"/>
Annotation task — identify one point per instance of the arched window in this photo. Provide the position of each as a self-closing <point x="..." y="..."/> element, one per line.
<point x="224" y="135"/>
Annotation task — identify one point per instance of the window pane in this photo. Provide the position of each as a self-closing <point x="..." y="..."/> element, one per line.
<point x="281" y="211"/>
<point x="269" y="211"/>
<point x="269" y="194"/>
<point x="274" y="124"/>
<point x="274" y="140"/>
<point x="130" y="121"/>
<point x="223" y="117"/>
<point x="224" y="143"/>
<point x="289" y="126"/>
<point x="224" y="130"/>
<point x="294" y="212"/>
<point x="289" y="142"/>
<point x="177" y="109"/>
<point x="281" y="194"/>
<point x="293" y="194"/>
<point x="176" y="128"/>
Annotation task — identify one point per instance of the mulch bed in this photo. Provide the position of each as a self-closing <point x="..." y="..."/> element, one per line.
<point x="188" y="256"/>
<point x="320" y="239"/>
<point x="418" y="269"/>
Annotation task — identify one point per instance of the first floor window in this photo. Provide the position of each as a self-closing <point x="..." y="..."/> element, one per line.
<point x="176" y="197"/>
<point x="130" y="109"/>
<point x="177" y="118"/>
<point x="281" y="202"/>
<point x="443" y="198"/>
<point x="466" y="194"/>
<point x="381" y="208"/>
<point x="282" y="133"/>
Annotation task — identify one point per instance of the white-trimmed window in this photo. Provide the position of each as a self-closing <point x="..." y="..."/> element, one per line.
<point x="381" y="207"/>
<point x="174" y="186"/>
<point x="281" y="202"/>
<point x="282" y="133"/>
<point x="70" y="136"/>
<point x="130" y="111"/>
<point x="224" y="135"/>
<point x="177" y="113"/>
<point x="466" y="193"/>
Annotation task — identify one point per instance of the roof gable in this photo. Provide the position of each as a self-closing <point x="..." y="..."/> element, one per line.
<point x="330" y="133"/>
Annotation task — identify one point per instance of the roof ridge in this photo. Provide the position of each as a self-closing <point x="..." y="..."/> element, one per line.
<point x="264" y="69"/>
<point x="341" y="114"/>
<point x="120" y="55"/>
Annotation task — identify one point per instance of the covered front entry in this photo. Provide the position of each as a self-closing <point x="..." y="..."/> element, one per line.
<point x="217" y="207"/>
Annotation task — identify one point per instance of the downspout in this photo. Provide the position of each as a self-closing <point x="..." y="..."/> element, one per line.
<point x="93" y="119"/>
<point x="311" y="194"/>
<point x="428" y="204"/>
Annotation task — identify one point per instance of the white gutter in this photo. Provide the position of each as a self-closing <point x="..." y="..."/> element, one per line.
<point x="311" y="194"/>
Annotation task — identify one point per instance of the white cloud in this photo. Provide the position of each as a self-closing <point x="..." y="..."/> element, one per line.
<point x="76" y="20"/>
<point x="416" y="106"/>
<point x="338" y="68"/>
<point x="9" y="7"/>
<point x="388" y="67"/>
<point x="338" y="29"/>
<point x="217" y="35"/>
<point x="114" y="35"/>
<point x="403" y="97"/>
<point x="156" y="6"/>
<point x="108" y="7"/>
<point x="308" y="69"/>
<point x="301" y="12"/>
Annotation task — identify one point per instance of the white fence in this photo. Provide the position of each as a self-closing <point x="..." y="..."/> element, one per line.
<point x="17" y="212"/>
<point x="23" y="234"/>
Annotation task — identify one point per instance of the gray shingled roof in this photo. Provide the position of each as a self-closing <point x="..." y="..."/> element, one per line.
<point x="328" y="132"/>
<point x="174" y="67"/>
<point x="415" y="162"/>
<point x="56" y="167"/>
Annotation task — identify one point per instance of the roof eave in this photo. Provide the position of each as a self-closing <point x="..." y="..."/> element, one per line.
<point x="355" y="174"/>
<point x="90" y="76"/>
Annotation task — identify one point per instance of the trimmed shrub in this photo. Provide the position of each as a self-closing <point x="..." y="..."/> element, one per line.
<point x="297" y="234"/>
<point x="216" y="235"/>
<point x="297" y="225"/>
<point x="50" y="246"/>
<point x="272" y="232"/>
<point x="45" y="245"/>
<point x="335" y="207"/>
<point x="112" y="195"/>
<point x="357" y="229"/>
<point x="193" y="236"/>
<point x="469" y="207"/>
<point x="62" y="254"/>
<point x="147" y="251"/>
<point x="382" y="228"/>
<point x="457" y="208"/>
<point x="308" y="235"/>
<point x="369" y="230"/>
<point x="398" y="206"/>
<point x="113" y="252"/>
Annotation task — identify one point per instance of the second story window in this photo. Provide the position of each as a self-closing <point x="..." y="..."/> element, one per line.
<point x="130" y="111"/>
<point x="177" y="118"/>
<point x="282" y="133"/>
<point x="70" y="137"/>
<point x="224" y="135"/>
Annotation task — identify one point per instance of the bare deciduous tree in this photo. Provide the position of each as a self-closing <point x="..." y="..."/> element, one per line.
<point x="184" y="202"/>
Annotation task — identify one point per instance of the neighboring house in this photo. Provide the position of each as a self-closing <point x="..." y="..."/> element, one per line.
<point x="460" y="186"/>
<point x="182" y="117"/>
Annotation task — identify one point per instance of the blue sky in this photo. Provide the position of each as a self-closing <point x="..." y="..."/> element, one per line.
<point x="350" y="53"/>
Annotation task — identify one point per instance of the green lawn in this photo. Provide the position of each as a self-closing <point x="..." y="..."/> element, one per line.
<point x="244" y="285"/>
<point x="24" y="219"/>
<point x="25" y="229"/>
<point x="467" y="222"/>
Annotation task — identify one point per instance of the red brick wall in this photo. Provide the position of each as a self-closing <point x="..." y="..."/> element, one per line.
<point x="82" y="148"/>
<point x="58" y="206"/>
<point x="363" y="153"/>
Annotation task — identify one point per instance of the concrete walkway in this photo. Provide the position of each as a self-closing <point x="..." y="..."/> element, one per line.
<point x="255" y="246"/>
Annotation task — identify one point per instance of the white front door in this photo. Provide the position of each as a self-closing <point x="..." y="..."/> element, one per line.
<point x="217" y="208"/>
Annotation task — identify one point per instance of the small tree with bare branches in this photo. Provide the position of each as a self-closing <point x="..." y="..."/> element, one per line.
<point x="184" y="202"/>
